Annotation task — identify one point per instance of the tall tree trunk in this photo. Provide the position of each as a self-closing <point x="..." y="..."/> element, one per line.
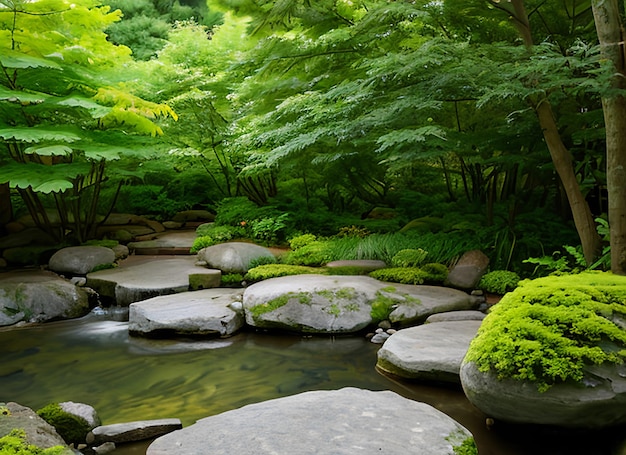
<point x="561" y="157"/>
<point x="611" y="36"/>
<point x="6" y="208"/>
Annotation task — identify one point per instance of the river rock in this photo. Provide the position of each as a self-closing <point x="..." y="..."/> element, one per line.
<point x="38" y="432"/>
<point x="468" y="271"/>
<point x="232" y="257"/>
<point x="132" y="431"/>
<point x="311" y="303"/>
<point x="598" y="401"/>
<point x="205" y="313"/>
<point x="338" y="422"/>
<point x="82" y="410"/>
<point x="28" y="236"/>
<point x="430" y="352"/>
<point x="39" y="296"/>
<point x="421" y="301"/>
<point x="80" y="260"/>
<point x="143" y="277"/>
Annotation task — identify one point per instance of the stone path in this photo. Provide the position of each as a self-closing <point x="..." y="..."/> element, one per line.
<point x="165" y="243"/>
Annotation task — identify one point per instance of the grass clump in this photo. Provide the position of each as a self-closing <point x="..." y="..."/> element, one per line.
<point x="428" y="274"/>
<point x="264" y="272"/>
<point x="15" y="443"/>
<point x="499" y="282"/>
<point x="409" y="257"/>
<point x="547" y="330"/>
<point x="72" y="428"/>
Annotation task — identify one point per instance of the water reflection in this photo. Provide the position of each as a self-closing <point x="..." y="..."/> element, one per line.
<point x="93" y="360"/>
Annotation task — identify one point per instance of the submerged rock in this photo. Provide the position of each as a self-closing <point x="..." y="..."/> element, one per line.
<point x="345" y="421"/>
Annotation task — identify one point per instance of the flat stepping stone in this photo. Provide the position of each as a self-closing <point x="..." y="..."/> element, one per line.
<point x="143" y="277"/>
<point x="166" y="243"/>
<point x="340" y="422"/>
<point x="132" y="431"/>
<point x="430" y="352"/>
<point x="199" y="313"/>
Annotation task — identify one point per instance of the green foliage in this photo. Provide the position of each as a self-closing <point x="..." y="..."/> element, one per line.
<point x="264" y="272"/>
<point x="232" y="279"/>
<point x="382" y="307"/>
<point x="436" y="273"/>
<point x="72" y="428"/>
<point x="271" y="229"/>
<point x="262" y="260"/>
<point x="467" y="447"/>
<point x="315" y="253"/>
<point x="409" y="258"/>
<point x="299" y="241"/>
<point x="548" y="329"/>
<point x="499" y="281"/>
<point x="353" y="231"/>
<point x="15" y="443"/>
<point x="405" y="275"/>
<point x="213" y="234"/>
<point x="151" y="200"/>
<point x="105" y="243"/>
<point x="103" y="267"/>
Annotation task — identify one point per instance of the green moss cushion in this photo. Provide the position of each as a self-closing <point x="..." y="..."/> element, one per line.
<point x="548" y="329"/>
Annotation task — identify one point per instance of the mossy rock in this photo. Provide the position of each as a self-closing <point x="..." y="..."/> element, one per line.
<point x="547" y="330"/>
<point x="72" y="428"/>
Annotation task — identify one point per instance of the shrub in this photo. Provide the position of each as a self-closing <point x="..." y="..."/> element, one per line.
<point x="353" y="231"/>
<point x="70" y="427"/>
<point x="262" y="260"/>
<point x="264" y="272"/>
<point x="212" y="235"/>
<point x="409" y="257"/>
<point x="312" y="254"/>
<point x="547" y="330"/>
<point x="404" y="275"/>
<point x="270" y="229"/>
<point x="104" y="243"/>
<point x="232" y="279"/>
<point x="435" y="273"/>
<point x="301" y="240"/>
<point x="499" y="281"/>
<point x="15" y="443"/>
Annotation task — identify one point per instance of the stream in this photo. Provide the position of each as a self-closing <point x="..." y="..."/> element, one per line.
<point x="93" y="360"/>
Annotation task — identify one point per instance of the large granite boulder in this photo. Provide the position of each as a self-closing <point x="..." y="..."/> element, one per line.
<point x="38" y="432"/>
<point x="311" y="303"/>
<point x="468" y="271"/>
<point x="339" y="422"/>
<point x="552" y="352"/>
<point x="199" y="313"/>
<point x="80" y="260"/>
<point x="431" y="352"/>
<point x="342" y="304"/>
<point x="39" y="296"/>
<point x="232" y="257"/>
<point x="598" y="401"/>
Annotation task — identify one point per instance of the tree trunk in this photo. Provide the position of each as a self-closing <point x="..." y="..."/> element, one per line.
<point x="6" y="208"/>
<point x="562" y="160"/>
<point x="611" y="36"/>
<point x="561" y="157"/>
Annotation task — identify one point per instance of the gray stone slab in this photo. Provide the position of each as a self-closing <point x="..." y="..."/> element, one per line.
<point x="132" y="431"/>
<point x="432" y="352"/>
<point x="348" y="421"/>
<point x="140" y="278"/>
<point x="205" y="313"/>
<point x="463" y="315"/>
<point x="179" y="242"/>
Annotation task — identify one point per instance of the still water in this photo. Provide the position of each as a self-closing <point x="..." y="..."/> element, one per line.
<point x="94" y="361"/>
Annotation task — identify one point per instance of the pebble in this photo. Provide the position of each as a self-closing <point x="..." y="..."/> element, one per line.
<point x="380" y="338"/>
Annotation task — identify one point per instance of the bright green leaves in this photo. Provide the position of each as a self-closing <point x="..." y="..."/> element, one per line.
<point x="547" y="330"/>
<point x="38" y="134"/>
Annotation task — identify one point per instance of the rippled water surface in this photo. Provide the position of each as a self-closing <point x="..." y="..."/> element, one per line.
<point x="124" y="378"/>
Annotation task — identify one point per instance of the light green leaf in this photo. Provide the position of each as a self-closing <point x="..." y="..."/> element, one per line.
<point x="37" y="134"/>
<point x="49" y="150"/>
<point x="21" y="97"/>
<point x="96" y="110"/>
<point x="12" y="59"/>
<point x="53" y="186"/>
<point x="41" y="177"/>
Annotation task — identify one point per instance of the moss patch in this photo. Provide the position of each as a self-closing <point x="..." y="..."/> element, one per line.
<point x="70" y="427"/>
<point x="302" y="297"/>
<point x="15" y="443"/>
<point x="384" y="304"/>
<point x="264" y="272"/>
<point x="548" y="329"/>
